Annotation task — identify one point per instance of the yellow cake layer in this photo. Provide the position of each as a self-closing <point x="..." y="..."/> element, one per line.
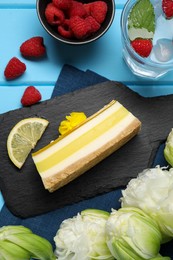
<point x="68" y="157"/>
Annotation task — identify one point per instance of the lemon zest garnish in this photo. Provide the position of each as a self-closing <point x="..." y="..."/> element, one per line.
<point x="71" y="121"/>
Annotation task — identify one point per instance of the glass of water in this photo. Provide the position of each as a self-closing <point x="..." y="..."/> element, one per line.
<point x="160" y="60"/>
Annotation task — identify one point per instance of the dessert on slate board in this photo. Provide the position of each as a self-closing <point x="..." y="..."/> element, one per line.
<point x="97" y="137"/>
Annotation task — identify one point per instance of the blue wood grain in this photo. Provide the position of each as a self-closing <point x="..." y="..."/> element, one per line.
<point x="29" y="3"/>
<point x="17" y="3"/>
<point x="103" y="56"/>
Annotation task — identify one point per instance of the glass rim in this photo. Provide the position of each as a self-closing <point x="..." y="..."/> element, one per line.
<point x="124" y="33"/>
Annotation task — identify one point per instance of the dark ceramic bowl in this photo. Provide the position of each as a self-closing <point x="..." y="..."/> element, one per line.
<point x="41" y="6"/>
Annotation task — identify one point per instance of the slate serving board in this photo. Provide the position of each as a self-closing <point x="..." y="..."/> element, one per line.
<point x="23" y="190"/>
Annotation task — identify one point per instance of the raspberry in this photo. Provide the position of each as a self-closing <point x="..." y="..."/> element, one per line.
<point x="61" y="12"/>
<point x="80" y="27"/>
<point x="14" y="68"/>
<point x="33" y="47"/>
<point x="167" y="6"/>
<point x="30" y="96"/>
<point x="95" y="26"/>
<point x="98" y="10"/>
<point x="142" y="46"/>
<point x="54" y="16"/>
<point x="77" y="9"/>
<point x="64" y="29"/>
<point x="62" y="4"/>
<point x="87" y="8"/>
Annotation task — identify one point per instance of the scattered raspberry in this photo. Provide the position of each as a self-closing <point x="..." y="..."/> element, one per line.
<point x="167" y="6"/>
<point x="142" y="46"/>
<point x="30" y="96"/>
<point x="54" y="16"/>
<point x="80" y="27"/>
<point x="98" y="10"/>
<point x="65" y="30"/>
<point x="62" y="4"/>
<point x="33" y="47"/>
<point x="77" y="9"/>
<point x="14" y="68"/>
<point x="95" y="26"/>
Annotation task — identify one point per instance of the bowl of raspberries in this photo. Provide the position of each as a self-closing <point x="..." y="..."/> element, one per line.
<point x="76" y="21"/>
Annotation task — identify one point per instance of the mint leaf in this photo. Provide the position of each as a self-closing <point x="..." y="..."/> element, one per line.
<point x="142" y="16"/>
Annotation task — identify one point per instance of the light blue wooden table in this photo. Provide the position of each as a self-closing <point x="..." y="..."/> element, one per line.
<point x="19" y="22"/>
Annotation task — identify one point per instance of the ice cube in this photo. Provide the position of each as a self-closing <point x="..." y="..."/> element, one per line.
<point x="157" y="4"/>
<point x="162" y="50"/>
<point x="164" y="29"/>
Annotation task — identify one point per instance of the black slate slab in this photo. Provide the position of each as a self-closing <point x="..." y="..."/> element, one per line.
<point x="23" y="191"/>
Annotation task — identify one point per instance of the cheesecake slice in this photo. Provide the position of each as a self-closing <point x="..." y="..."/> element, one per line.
<point x="71" y="155"/>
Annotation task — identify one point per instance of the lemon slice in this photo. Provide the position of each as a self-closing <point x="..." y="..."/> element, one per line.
<point x="23" y="137"/>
